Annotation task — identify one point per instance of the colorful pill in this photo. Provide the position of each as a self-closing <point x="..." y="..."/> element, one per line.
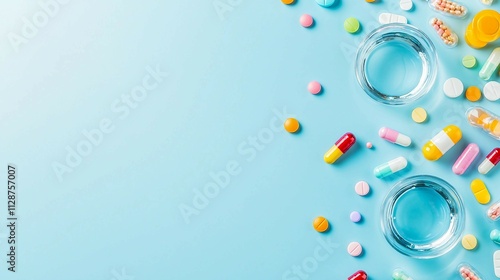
<point x="399" y="274"/>
<point x="355" y="216"/>
<point x="447" y="35"/>
<point x="494" y="211"/>
<point x="320" y="224"/>
<point x="490" y="65"/>
<point x="314" y="87"/>
<point x="469" y="61"/>
<point x="453" y="88"/>
<point x="467" y="272"/>
<point x="447" y="7"/>
<point x="469" y="242"/>
<point x="390" y="167"/>
<point x="325" y="3"/>
<point x="385" y="18"/>
<point x="484" y="119"/>
<point x="394" y="137"/>
<point x="465" y="159"/>
<point x="341" y="147"/>
<point x="496" y="263"/>
<point x="473" y="94"/>
<point x="480" y="191"/>
<point x="358" y="275"/>
<point x="362" y="188"/>
<point x="490" y="161"/>
<point x="491" y="90"/>
<point x="442" y="142"/>
<point x="495" y="236"/>
<point x="306" y="20"/>
<point x="354" y="249"/>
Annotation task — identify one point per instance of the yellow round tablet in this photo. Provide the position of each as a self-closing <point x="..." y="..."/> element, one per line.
<point x="469" y="242"/>
<point x="287" y="2"/>
<point x="291" y="125"/>
<point x="320" y="224"/>
<point x="419" y="115"/>
<point x="473" y="93"/>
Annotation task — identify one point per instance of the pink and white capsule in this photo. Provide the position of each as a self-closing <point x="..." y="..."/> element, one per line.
<point x="465" y="159"/>
<point x="394" y="136"/>
<point x="492" y="159"/>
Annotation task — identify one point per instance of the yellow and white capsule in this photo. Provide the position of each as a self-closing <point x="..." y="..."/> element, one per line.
<point x="442" y="142"/>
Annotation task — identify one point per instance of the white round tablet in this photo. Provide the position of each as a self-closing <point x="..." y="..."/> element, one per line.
<point x="453" y="88"/>
<point x="491" y="91"/>
<point x="385" y="18"/>
<point x="405" y="5"/>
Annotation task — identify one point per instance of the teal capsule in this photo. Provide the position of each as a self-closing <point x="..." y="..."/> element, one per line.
<point x="390" y="167"/>
<point x="495" y="236"/>
<point x="399" y="274"/>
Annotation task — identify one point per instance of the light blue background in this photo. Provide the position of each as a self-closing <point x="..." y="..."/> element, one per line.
<point x="117" y="213"/>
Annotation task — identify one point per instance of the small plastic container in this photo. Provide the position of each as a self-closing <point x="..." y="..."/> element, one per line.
<point x="467" y="272"/>
<point x="494" y="211"/>
<point x="480" y="117"/>
<point x="448" y="7"/>
<point x="447" y="36"/>
<point x="396" y="64"/>
<point x="423" y="217"/>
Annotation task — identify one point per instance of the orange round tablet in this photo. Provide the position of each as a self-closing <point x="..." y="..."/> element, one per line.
<point x="370" y="1"/>
<point x="287" y="2"/>
<point x="320" y="224"/>
<point x="473" y="93"/>
<point x="291" y="125"/>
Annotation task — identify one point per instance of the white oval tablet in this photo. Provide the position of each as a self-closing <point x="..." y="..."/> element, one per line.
<point x="385" y="18"/>
<point x="491" y="91"/>
<point x="405" y="5"/>
<point x="453" y="88"/>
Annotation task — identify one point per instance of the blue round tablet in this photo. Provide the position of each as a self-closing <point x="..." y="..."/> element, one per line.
<point x="325" y="3"/>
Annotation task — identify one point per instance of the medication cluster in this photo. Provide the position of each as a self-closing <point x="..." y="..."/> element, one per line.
<point x="483" y="29"/>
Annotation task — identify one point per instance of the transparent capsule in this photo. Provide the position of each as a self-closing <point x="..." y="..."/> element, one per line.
<point x="447" y="35"/>
<point x="487" y="2"/>
<point x="467" y="272"/>
<point x="399" y="274"/>
<point x="449" y="8"/>
<point x="480" y="117"/>
<point x="494" y="211"/>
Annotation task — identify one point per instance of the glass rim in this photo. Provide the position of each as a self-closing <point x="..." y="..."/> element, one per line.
<point x="442" y="244"/>
<point x="418" y="41"/>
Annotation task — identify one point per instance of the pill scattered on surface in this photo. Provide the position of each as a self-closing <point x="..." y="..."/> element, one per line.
<point x="320" y="224"/>
<point x="473" y="94"/>
<point x="369" y="145"/>
<point x="394" y="136"/>
<point x="385" y="18"/>
<point x="354" y="249"/>
<point x="358" y="275"/>
<point x="453" y="88"/>
<point x="291" y="125"/>
<point x="465" y="159"/>
<point x="469" y="242"/>
<point x="355" y="216"/>
<point x="287" y="2"/>
<point x="314" y="87"/>
<point x="325" y="3"/>
<point x="351" y="25"/>
<point x="419" y="115"/>
<point x="435" y="148"/>
<point x="480" y="191"/>
<point x="445" y="33"/>
<point x="469" y="61"/>
<point x="390" y="167"/>
<point x="496" y="263"/>
<point x="405" y="5"/>
<point x="491" y="160"/>
<point x="339" y="148"/>
<point x="362" y="188"/>
<point x="306" y="20"/>
<point x="399" y="274"/>
<point x="491" y="91"/>
<point x="495" y="236"/>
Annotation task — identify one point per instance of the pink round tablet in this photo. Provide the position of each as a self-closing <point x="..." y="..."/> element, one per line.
<point x="362" y="188"/>
<point x="314" y="87"/>
<point x="355" y="216"/>
<point x="306" y="20"/>
<point x="354" y="249"/>
<point x="369" y="145"/>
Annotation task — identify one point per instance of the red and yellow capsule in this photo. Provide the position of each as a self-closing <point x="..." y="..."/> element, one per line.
<point x="341" y="146"/>
<point x="442" y="142"/>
